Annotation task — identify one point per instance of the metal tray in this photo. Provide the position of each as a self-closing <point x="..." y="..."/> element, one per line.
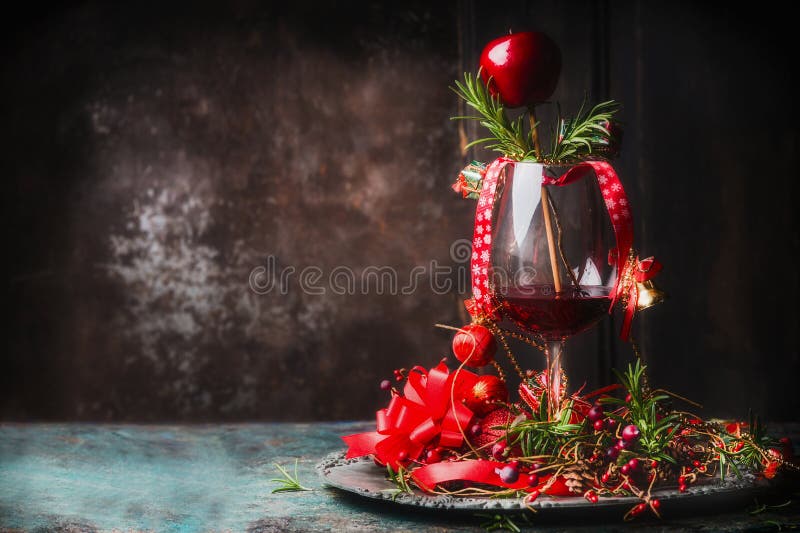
<point x="362" y="477"/>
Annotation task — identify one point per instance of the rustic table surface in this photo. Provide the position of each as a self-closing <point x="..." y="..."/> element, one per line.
<point x="82" y="477"/>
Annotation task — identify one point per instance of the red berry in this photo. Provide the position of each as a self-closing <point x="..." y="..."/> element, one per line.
<point x="625" y="469"/>
<point x="532" y="495"/>
<point x="595" y="413"/>
<point x="499" y="450"/>
<point x="639" y="509"/>
<point x="605" y="477"/>
<point x="682" y="487"/>
<point x="475" y="430"/>
<point x="591" y="496"/>
<point x="655" y="503"/>
<point x="598" y="425"/>
<point x="696" y="463"/>
<point x="533" y="480"/>
<point x="633" y="464"/>
<point x="402" y="455"/>
<point x="509" y="474"/>
<point x="523" y="68"/>
<point x="474" y="345"/>
<point x="621" y="444"/>
<point x="611" y="423"/>
<point x="681" y="480"/>
<point x="630" y="432"/>
<point x="628" y="398"/>
<point x="612" y="452"/>
<point x="386" y="384"/>
<point x="654" y="463"/>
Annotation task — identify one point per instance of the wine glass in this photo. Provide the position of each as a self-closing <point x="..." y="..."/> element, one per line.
<point x="550" y="259"/>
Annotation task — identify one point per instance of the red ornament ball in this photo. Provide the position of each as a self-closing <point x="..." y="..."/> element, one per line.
<point x="499" y="418"/>
<point x="523" y="67"/>
<point x="483" y="396"/>
<point x="474" y="345"/>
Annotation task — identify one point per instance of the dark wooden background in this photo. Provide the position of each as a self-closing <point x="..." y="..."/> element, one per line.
<point x="155" y="154"/>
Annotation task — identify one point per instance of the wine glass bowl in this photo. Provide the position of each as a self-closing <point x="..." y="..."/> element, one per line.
<point x="550" y="255"/>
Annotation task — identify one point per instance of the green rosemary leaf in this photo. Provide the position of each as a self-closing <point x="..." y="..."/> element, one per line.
<point x="289" y="483"/>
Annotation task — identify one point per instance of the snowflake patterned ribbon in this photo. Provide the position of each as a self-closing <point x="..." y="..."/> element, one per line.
<point x="483" y="303"/>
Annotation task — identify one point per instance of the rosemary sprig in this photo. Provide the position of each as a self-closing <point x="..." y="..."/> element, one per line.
<point x="400" y="478"/>
<point x="747" y="450"/>
<point x="497" y="522"/>
<point x="507" y="137"/>
<point x="656" y="430"/>
<point x="541" y="436"/>
<point x="588" y="133"/>
<point x="289" y="483"/>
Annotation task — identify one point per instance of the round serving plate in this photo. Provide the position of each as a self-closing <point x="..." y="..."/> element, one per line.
<point x="362" y="477"/>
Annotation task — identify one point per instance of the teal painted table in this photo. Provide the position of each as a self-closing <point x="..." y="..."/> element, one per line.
<point x="79" y="477"/>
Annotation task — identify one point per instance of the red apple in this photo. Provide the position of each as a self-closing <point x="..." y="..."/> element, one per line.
<point x="523" y="68"/>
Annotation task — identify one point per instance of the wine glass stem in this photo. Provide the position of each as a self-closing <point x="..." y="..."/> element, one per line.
<point x="554" y="351"/>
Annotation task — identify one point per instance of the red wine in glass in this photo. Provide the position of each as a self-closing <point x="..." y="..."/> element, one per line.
<point x="556" y="317"/>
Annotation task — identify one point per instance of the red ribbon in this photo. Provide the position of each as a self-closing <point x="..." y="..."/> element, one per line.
<point x="479" y="471"/>
<point x="617" y="205"/>
<point x="483" y="304"/>
<point x="643" y="270"/>
<point x="415" y="420"/>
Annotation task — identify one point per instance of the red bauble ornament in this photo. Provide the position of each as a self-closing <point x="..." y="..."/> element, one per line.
<point x="499" y="418"/>
<point x="481" y="398"/>
<point x="523" y="68"/>
<point x="474" y="345"/>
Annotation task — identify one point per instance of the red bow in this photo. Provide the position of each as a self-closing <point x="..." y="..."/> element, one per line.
<point x="414" y="420"/>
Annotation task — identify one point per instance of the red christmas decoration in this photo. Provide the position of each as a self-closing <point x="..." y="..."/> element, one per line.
<point x="455" y="426"/>
<point x="523" y="67"/>
<point x="483" y="396"/>
<point x="474" y="345"/>
<point x="492" y="427"/>
<point x="423" y="415"/>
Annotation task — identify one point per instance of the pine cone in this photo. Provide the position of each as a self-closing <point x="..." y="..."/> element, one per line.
<point x="579" y="477"/>
<point x="670" y="471"/>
